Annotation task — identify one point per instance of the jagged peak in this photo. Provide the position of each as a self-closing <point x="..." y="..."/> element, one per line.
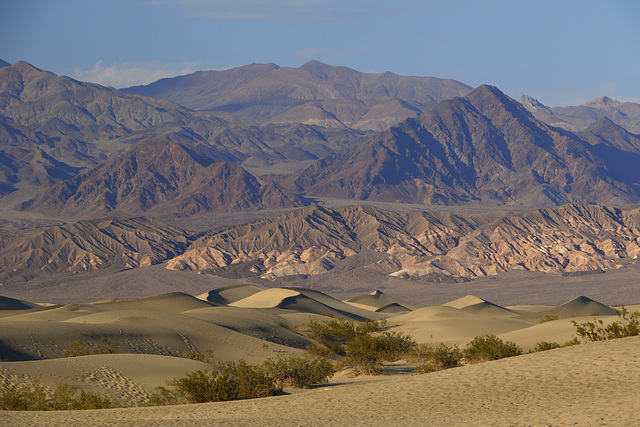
<point x="532" y="104"/>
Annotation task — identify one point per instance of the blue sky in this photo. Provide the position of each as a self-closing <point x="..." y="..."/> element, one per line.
<point x="561" y="52"/>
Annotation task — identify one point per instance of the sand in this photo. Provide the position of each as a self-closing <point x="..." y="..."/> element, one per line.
<point x="595" y="383"/>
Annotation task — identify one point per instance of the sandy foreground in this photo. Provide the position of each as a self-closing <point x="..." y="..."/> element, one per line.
<point x="594" y="384"/>
<point x="591" y="384"/>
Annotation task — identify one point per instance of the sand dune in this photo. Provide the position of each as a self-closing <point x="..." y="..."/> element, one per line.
<point x="578" y="385"/>
<point x="229" y="294"/>
<point x="246" y="322"/>
<point x="479" y="306"/>
<point x="378" y="299"/>
<point x="580" y="306"/>
<point x="174" y="302"/>
<point x="306" y="301"/>
<point x="7" y="303"/>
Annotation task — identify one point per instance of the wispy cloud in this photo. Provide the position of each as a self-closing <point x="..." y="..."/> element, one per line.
<point x="284" y="10"/>
<point x="126" y="74"/>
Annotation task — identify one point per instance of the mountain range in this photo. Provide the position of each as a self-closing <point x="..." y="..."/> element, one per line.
<point x="316" y="240"/>
<point x="159" y="176"/>
<point x="104" y="151"/>
<point x="576" y="118"/>
<point x="481" y="148"/>
<point x="315" y="93"/>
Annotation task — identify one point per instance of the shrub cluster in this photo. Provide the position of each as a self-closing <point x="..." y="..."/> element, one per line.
<point x="34" y="398"/>
<point x="549" y="318"/>
<point x="240" y="380"/>
<point x="544" y="346"/>
<point x="438" y="358"/>
<point x="490" y="347"/>
<point x="627" y="325"/>
<point x="364" y="346"/>
<point x="84" y="348"/>
<point x="299" y="371"/>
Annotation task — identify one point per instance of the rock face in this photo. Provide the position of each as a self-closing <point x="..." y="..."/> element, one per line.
<point x="577" y="118"/>
<point x="314" y="240"/>
<point x="89" y="245"/>
<point x="160" y="176"/>
<point x="482" y="148"/>
<point x="315" y="93"/>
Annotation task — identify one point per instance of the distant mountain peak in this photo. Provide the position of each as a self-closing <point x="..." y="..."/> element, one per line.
<point x="25" y="66"/>
<point x="4" y="63"/>
<point x="532" y="104"/>
<point x="603" y="101"/>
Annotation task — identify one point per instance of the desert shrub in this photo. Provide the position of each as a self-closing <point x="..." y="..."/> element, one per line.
<point x="206" y="358"/>
<point x="627" y="325"/>
<point x="88" y="400"/>
<point x="544" y="346"/>
<point x="319" y="350"/>
<point x="363" y="355"/>
<point x="335" y="333"/>
<point x="548" y="318"/>
<point x="366" y="352"/>
<point x="34" y="398"/>
<point x="31" y="397"/>
<point x="355" y="340"/>
<point x="446" y="357"/>
<point x="437" y="358"/>
<point x="573" y="341"/>
<point x="84" y="348"/>
<point x="229" y="381"/>
<point x="490" y="347"/>
<point x="299" y="371"/>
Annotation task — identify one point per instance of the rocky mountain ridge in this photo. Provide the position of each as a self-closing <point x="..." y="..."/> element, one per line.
<point x="577" y="118"/>
<point x="481" y="148"/>
<point x="315" y="93"/>
<point x="314" y="240"/>
<point x="159" y="176"/>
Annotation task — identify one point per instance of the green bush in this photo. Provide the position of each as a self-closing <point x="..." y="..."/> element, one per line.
<point x="84" y="348"/>
<point x="366" y="352"/>
<point x="549" y="318"/>
<point x="34" y="398"/>
<point x="299" y="371"/>
<point x="544" y="346"/>
<point x="437" y="358"/>
<point x="229" y="381"/>
<point x="490" y="347"/>
<point x="628" y="325"/>
<point x="23" y="397"/>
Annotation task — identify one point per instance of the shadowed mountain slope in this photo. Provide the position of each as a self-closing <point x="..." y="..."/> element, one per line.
<point x="482" y="148"/>
<point x="160" y="176"/>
